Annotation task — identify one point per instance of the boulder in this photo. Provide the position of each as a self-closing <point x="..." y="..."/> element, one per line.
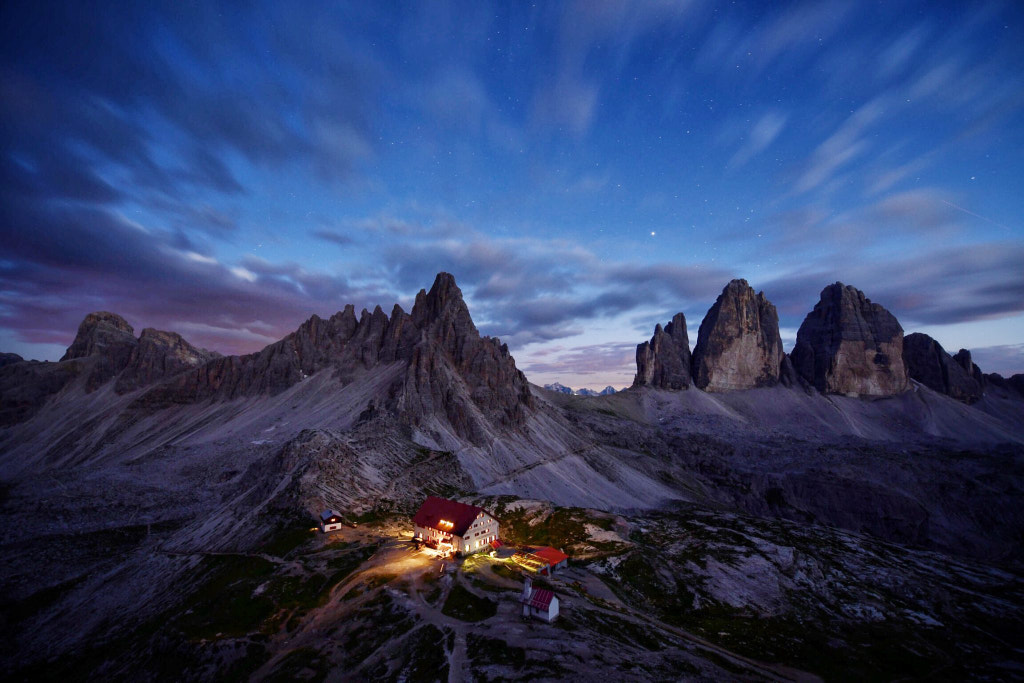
<point x="664" y="361"/>
<point x="738" y="345"/>
<point x="928" y="363"/>
<point x="849" y="345"/>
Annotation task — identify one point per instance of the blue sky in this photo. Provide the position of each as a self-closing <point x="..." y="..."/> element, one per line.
<point x="585" y="170"/>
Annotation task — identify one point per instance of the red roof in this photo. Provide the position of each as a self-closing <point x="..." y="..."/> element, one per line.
<point x="435" y="509"/>
<point x="540" y="599"/>
<point x="550" y="555"/>
<point x="496" y="543"/>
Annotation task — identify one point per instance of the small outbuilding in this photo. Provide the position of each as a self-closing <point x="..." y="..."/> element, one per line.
<point x="330" y="520"/>
<point x="538" y="602"/>
<point x="554" y="558"/>
<point x="542" y="560"/>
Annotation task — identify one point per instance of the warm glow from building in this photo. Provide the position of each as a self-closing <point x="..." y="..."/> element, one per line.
<point x="446" y="524"/>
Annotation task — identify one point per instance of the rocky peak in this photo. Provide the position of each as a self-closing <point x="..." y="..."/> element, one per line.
<point x="450" y="343"/>
<point x="101" y="333"/>
<point x="106" y="341"/>
<point x="443" y="314"/>
<point x="738" y="344"/>
<point x="849" y="345"/>
<point x="664" y="361"/>
<point x="928" y="363"/>
<point x="159" y="354"/>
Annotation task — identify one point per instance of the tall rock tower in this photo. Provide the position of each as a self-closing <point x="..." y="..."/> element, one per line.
<point x="738" y="345"/>
<point x="848" y="345"/>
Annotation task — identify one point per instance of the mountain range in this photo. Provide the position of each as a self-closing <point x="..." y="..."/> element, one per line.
<point x="561" y="389"/>
<point x="860" y="429"/>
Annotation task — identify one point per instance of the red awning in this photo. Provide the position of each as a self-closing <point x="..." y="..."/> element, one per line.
<point x="550" y="555"/>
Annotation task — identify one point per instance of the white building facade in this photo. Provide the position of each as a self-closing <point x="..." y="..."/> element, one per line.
<point x="454" y="526"/>
<point x="330" y="520"/>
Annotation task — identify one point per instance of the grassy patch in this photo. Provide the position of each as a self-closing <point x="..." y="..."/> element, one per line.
<point x="490" y="587"/>
<point x="621" y="630"/>
<point x="428" y="657"/>
<point x="224" y="604"/>
<point x="375" y="516"/>
<point x="26" y="608"/>
<point x="376" y="623"/>
<point x="379" y="580"/>
<point x="461" y="604"/>
<point x="486" y="651"/>
<point x="508" y="571"/>
<point x="304" y="664"/>
<point x="288" y="537"/>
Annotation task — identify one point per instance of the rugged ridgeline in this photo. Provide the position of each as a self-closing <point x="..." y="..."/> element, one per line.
<point x="445" y="366"/>
<point x="928" y="363"/>
<point x="448" y="367"/>
<point x="104" y="348"/>
<point x="559" y="388"/>
<point x="846" y="345"/>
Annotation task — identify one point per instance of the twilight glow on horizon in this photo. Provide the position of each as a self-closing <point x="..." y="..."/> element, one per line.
<point x="584" y="169"/>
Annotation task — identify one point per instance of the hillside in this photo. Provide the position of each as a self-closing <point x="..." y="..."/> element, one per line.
<point x="148" y="476"/>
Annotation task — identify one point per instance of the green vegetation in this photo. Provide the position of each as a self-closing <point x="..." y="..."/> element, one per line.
<point x="622" y="630"/>
<point x="427" y="660"/>
<point x="379" y="580"/>
<point x="562" y="528"/>
<point x="381" y="513"/>
<point x="243" y="594"/>
<point x="26" y="608"/>
<point x="288" y="537"/>
<point x="489" y="587"/>
<point x="375" y="624"/>
<point x="464" y="605"/>
<point x="487" y="651"/>
<point x="224" y="604"/>
<point x="508" y="570"/>
<point x="304" y="663"/>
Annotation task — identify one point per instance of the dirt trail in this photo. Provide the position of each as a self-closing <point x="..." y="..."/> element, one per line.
<point x="409" y="566"/>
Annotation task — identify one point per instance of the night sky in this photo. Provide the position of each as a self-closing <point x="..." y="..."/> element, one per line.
<point x="585" y="170"/>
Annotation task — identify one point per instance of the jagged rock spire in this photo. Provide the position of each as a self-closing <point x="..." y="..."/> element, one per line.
<point x="664" y="361"/>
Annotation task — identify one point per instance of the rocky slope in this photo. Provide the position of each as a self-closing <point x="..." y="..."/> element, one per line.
<point x="738" y="345"/>
<point x="849" y="345"/>
<point x="664" y="361"/>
